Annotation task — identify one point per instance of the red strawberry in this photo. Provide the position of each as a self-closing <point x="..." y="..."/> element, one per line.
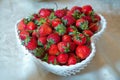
<point x="52" y="60"/>
<point x="82" y="52"/>
<point x="53" y="38"/>
<point x="75" y="12"/>
<point x="66" y="38"/>
<point x="93" y="27"/>
<point x="87" y="18"/>
<point x="62" y="58"/>
<point x="21" y="25"/>
<point x="68" y="20"/>
<point x="56" y="22"/>
<point x="96" y="18"/>
<point x="42" y="41"/>
<point x="31" y="43"/>
<point x="72" y="60"/>
<point x="60" y="29"/>
<point x="45" y="30"/>
<point x="65" y="47"/>
<point x="60" y="13"/>
<point x="79" y="39"/>
<point x="31" y="26"/>
<point x="87" y="9"/>
<point x="76" y="8"/>
<point x="88" y="33"/>
<point x="35" y="33"/>
<point x="23" y="34"/>
<point x="72" y="46"/>
<point x="82" y="24"/>
<point x="72" y="30"/>
<point x="35" y="17"/>
<point x="45" y="12"/>
<point x="53" y="50"/>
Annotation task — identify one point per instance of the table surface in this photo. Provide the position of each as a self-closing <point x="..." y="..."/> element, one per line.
<point x="14" y="65"/>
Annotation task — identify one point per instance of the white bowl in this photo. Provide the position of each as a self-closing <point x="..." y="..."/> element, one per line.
<point x="66" y="70"/>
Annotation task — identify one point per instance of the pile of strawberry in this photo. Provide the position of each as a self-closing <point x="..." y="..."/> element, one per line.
<point x="60" y="37"/>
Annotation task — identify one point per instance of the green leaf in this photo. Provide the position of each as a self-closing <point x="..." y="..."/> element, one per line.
<point x="45" y="58"/>
<point x="64" y="21"/>
<point x="61" y="29"/>
<point x="52" y="16"/>
<point x="40" y="22"/>
<point x="38" y="52"/>
<point x="84" y="25"/>
<point x="40" y="44"/>
<point x="27" y="40"/>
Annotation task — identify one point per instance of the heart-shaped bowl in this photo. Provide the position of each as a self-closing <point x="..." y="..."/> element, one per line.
<point x="65" y="70"/>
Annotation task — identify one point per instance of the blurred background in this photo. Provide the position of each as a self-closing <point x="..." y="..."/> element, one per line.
<point x="14" y="65"/>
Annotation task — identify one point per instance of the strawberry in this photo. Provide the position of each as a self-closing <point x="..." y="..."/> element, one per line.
<point x="75" y="12"/>
<point x="60" y="13"/>
<point x="60" y="29"/>
<point x="31" y="43"/>
<point x="52" y="60"/>
<point x="87" y="9"/>
<point x="72" y="30"/>
<point x="87" y="18"/>
<point x="35" y="33"/>
<point x="21" y="25"/>
<point x="45" y="30"/>
<point x="53" y="50"/>
<point x="45" y="12"/>
<point x="53" y="38"/>
<point x="42" y="41"/>
<point x="62" y="58"/>
<point x="23" y="34"/>
<point x="31" y="26"/>
<point x="96" y="18"/>
<point x="79" y="39"/>
<point x="68" y="20"/>
<point x="56" y="22"/>
<point x="72" y="60"/>
<point x="93" y="27"/>
<point x="65" y="47"/>
<point x="76" y="8"/>
<point x="66" y="38"/>
<point x="82" y="24"/>
<point x="83" y="52"/>
<point x="72" y="46"/>
<point x="35" y="16"/>
<point x="88" y="33"/>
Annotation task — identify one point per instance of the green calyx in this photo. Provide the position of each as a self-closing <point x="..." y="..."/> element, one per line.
<point x="49" y="43"/>
<point x="77" y="14"/>
<point x="92" y="15"/>
<point x="52" y="16"/>
<point x="28" y="19"/>
<point x="84" y="25"/>
<point x="61" y="29"/>
<point x="64" y="21"/>
<point x="40" y="44"/>
<point x="40" y="22"/>
<point x="78" y="37"/>
<point x="67" y="48"/>
<point x="75" y="31"/>
<point x="38" y="52"/>
<point x="27" y="40"/>
<point x="45" y="58"/>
